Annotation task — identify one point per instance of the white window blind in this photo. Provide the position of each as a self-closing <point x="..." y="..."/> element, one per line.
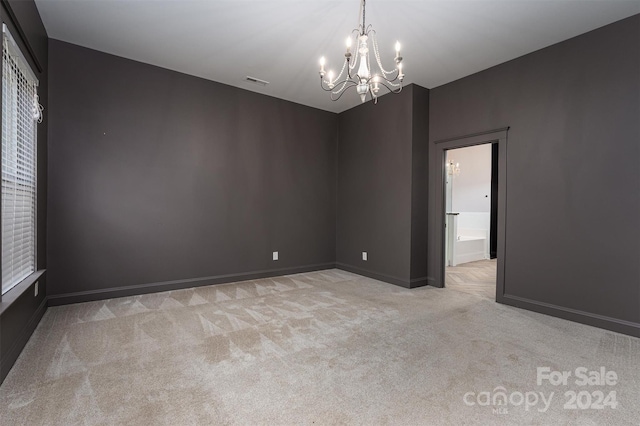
<point x="19" y="97"/>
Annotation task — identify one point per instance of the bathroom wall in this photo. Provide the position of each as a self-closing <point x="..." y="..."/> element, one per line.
<point x="471" y="191"/>
<point x="472" y="187"/>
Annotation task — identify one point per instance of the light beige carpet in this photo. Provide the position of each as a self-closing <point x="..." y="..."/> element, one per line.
<point x="327" y="347"/>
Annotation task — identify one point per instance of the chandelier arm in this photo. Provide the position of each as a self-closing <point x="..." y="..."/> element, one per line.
<point x="358" y="79"/>
<point x="398" y="90"/>
<point x="343" y="85"/>
<point x="322" y="83"/>
<point x="343" y="91"/>
<point x="374" y="96"/>
<point x="391" y="82"/>
<point x="386" y="81"/>
<point x="340" y="89"/>
<point x="325" y="86"/>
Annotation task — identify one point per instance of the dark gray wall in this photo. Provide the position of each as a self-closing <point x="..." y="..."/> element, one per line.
<point x="376" y="183"/>
<point x="156" y="176"/>
<point x="573" y="204"/>
<point x="419" y="185"/>
<point x="20" y="313"/>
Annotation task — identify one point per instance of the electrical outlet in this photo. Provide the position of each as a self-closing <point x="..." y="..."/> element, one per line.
<point x="275" y="255"/>
<point x="35" y="289"/>
<point x="364" y="255"/>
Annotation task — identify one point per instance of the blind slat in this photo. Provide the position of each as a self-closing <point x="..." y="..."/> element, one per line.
<point x="18" y="168"/>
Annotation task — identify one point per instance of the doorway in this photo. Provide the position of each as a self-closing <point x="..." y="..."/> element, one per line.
<point x="494" y="237"/>
<point x="470" y="180"/>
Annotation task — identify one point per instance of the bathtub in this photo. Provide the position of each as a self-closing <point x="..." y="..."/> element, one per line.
<point x="466" y="243"/>
<point x="469" y="246"/>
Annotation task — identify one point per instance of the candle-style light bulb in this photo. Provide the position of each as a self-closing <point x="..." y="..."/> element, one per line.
<point x="330" y="75"/>
<point x="398" y="58"/>
<point x="349" y="41"/>
<point x="322" y="62"/>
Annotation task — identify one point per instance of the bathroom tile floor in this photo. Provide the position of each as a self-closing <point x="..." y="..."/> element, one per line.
<point x="477" y="278"/>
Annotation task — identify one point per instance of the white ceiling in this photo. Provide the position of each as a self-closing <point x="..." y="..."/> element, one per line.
<point x="281" y="40"/>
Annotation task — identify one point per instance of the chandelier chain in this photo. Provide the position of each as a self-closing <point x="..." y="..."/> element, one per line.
<point x="364" y="5"/>
<point x="376" y="52"/>
<point x="344" y="64"/>
<point x="341" y="89"/>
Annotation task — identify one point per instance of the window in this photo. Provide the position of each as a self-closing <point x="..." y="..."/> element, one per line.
<point x="20" y="113"/>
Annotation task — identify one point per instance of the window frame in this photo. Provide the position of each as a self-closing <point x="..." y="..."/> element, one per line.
<point x="30" y="181"/>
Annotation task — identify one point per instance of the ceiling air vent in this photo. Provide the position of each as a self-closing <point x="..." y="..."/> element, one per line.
<point x="256" y="81"/>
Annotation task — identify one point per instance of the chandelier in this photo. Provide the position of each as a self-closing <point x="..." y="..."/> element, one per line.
<point x="453" y="169"/>
<point x="365" y="79"/>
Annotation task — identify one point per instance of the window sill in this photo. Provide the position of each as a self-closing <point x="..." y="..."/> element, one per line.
<point x="14" y="294"/>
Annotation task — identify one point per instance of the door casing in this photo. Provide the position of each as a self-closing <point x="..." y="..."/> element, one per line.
<point x="437" y="230"/>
